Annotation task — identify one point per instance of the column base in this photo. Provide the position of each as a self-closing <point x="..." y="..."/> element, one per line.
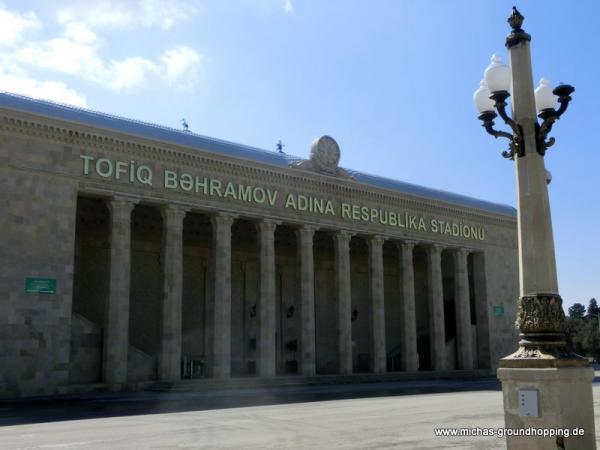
<point x="560" y="396"/>
<point x="543" y="350"/>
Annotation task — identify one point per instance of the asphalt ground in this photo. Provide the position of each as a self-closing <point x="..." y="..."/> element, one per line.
<point x="88" y="406"/>
<point x="390" y="415"/>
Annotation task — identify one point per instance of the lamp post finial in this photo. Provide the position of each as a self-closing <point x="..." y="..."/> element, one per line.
<point x="517" y="34"/>
<point x="516" y="19"/>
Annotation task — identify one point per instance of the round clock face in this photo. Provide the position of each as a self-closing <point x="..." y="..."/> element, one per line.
<point x="325" y="153"/>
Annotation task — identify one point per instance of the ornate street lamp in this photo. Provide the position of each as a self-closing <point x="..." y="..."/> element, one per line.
<point x="544" y="384"/>
<point x="497" y="75"/>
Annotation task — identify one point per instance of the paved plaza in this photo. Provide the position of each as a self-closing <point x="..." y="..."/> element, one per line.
<point x="367" y="421"/>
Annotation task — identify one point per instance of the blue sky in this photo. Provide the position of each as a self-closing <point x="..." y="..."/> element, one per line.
<point x="391" y="81"/>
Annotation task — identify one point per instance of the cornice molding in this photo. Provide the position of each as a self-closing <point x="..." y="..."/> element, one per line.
<point x="79" y="135"/>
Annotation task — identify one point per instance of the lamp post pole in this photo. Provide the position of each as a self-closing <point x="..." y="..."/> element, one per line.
<point x="544" y="384"/>
<point x="537" y="264"/>
<point x="540" y="316"/>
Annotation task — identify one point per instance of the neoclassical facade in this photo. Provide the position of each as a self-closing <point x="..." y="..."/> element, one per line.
<point x="134" y="254"/>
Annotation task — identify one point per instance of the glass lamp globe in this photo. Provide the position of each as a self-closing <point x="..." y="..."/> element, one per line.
<point x="481" y="98"/>
<point x="497" y="75"/>
<point x="544" y="98"/>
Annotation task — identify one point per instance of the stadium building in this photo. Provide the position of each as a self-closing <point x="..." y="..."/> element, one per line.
<point x="134" y="254"/>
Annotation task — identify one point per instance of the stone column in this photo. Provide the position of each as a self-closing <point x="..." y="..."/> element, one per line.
<point x="116" y="332"/>
<point x="221" y="342"/>
<point x="435" y="298"/>
<point x="344" y="300"/>
<point x="464" y="339"/>
<point x="408" y="358"/>
<point x="480" y="289"/>
<point x="267" y="322"/>
<point x="170" y="351"/>
<point x="377" y="304"/>
<point x="304" y="238"/>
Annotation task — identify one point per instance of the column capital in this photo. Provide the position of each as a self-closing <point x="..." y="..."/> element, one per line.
<point x="343" y="236"/>
<point x="407" y="244"/>
<point x="266" y="225"/>
<point x="307" y="228"/>
<point x="461" y="252"/>
<point x="171" y="211"/>
<point x="222" y="218"/>
<point x="376" y="240"/>
<point x="305" y="233"/>
<point x="121" y="203"/>
<point x="435" y="248"/>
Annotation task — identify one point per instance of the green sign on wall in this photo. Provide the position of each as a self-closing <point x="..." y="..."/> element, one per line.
<point x="498" y="310"/>
<point x="40" y="285"/>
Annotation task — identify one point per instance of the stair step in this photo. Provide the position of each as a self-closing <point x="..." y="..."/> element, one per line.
<point x="208" y="384"/>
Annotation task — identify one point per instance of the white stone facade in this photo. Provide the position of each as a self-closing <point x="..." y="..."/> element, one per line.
<point x="172" y="260"/>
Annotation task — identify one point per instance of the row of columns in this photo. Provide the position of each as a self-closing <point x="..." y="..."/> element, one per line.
<point x="116" y="331"/>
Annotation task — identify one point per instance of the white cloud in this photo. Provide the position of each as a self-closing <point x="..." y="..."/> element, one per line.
<point x="129" y="14"/>
<point x="63" y="54"/>
<point x="79" y="32"/>
<point x="57" y="91"/>
<point x="14" y="24"/>
<point x="15" y="27"/>
<point x="288" y="7"/>
<point x="181" y="65"/>
<point x="78" y="52"/>
<point x="128" y="73"/>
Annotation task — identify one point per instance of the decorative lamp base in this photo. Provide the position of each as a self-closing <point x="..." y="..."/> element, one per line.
<point x="541" y="321"/>
<point x="552" y="408"/>
<point x="546" y="388"/>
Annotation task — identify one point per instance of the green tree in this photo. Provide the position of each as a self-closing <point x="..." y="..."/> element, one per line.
<point x="591" y="338"/>
<point x="583" y="331"/>
<point x="573" y="334"/>
<point x="577" y="311"/>
<point x="593" y="308"/>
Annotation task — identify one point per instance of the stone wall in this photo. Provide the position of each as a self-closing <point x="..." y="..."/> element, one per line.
<point x="41" y="174"/>
<point x="502" y="289"/>
<point x="37" y="219"/>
